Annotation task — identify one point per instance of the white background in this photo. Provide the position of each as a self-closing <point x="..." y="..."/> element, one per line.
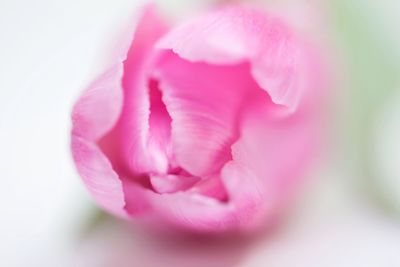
<point x="49" y="50"/>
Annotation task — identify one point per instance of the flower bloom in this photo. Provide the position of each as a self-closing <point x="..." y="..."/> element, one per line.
<point x="205" y="126"/>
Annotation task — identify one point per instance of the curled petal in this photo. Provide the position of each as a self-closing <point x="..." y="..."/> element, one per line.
<point x="237" y="34"/>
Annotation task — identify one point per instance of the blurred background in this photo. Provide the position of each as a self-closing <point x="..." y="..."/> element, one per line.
<point x="347" y="214"/>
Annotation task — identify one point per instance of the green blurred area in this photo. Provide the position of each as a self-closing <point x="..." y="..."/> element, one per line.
<point x="369" y="36"/>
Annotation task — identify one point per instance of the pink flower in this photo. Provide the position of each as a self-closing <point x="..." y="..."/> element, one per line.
<point x="206" y="126"/>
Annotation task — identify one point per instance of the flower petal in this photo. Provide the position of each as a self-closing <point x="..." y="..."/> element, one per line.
<point x="134" y="125"/>
<point x="104" y="97"/>
<point x="195" y="211"/>
<point x="236" y="34"/>
<point x="98" y="175"/>
<point x="274" y="151"/>
<point x="94" y="116"/>
<point x="204" y="102"/>
<point x="172" y="183"/>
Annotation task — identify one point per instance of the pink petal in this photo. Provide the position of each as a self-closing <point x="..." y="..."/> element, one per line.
<point x="98" y="175"/>
<point x="204" y="102"/>
<point x="134" y="126"/>
<point x="94" y="115"/>
<point x="172" y="183"/>
<point x="104" y="96"/>
<point x="237" y="34"/>
<point x="159" y="135"/>
<point x="274" y="151"/>
<point x="192" y="210"/>
<point x="211" y="186"/>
